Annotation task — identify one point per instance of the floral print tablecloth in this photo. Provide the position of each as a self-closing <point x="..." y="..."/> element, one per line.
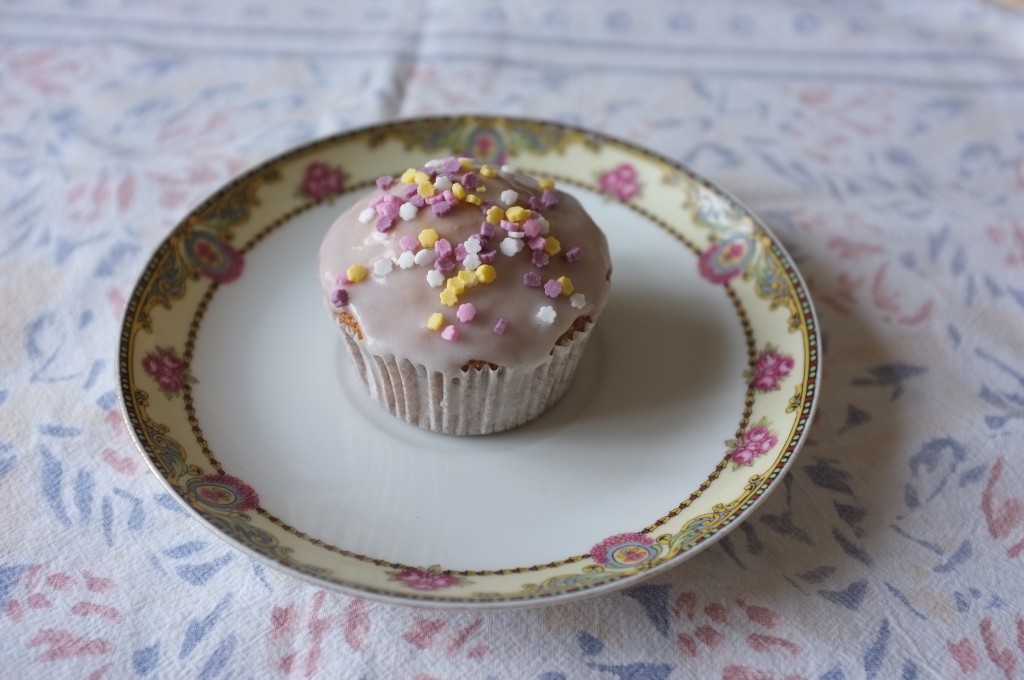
<point x="884" y="144"/>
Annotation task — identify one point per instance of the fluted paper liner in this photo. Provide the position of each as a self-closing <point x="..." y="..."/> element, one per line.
<point x="471" y="400"/>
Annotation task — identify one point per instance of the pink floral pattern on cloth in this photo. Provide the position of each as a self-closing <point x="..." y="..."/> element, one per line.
<point x="169" y="371"/>
<point x="620" y="182"/>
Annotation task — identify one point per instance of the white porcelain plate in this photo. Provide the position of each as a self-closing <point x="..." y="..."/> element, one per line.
<point x="694" y="395"/>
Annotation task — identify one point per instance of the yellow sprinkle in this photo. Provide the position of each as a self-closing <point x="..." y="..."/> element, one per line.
<point x="466" y="163"/>
<point x="458" y="191"/>
<point x="421" y="177"/>
<point x="488" y="171"/>
<point x="552" y="246"/>
<point x="485" y="273"/>
<point x="435" y="321"/>
<point x="408" y="175"/>
<point x="428" y="237"/>
<point x="467" y="277"/>
<point x="546" y="183"/>
<point x="567" y="287"/>
<point x="517" y="214"/>
<point x="481" y="189"/>
<point x="494" y="214"/>
<point x="426" y="189"/>
<point x="456" y="285"/>
<point x="355" y="273"/>
<point x="449" y="297"/>
<point x="474" y="199"/>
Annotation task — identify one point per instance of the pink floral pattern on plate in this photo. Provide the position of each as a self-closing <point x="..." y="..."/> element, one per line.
<point x="620" y="182"/>
<point x="321" y="181"/>
<point x="169" y="371"/>
<point x="754" y="443"/>
<point x="770" y="367"/>
<point x="431" y="578"/>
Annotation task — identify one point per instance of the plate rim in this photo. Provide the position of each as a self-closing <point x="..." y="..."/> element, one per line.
<point x="427" y="600"/>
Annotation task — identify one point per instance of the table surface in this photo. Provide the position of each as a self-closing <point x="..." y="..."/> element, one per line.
<point x="882" y="141"/>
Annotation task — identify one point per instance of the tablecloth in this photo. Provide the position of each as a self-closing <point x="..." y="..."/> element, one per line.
<point x="883" y="141"/>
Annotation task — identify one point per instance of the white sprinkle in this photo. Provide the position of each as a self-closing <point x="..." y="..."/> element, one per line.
<point x="509" y="197"/>
<point x="547" y="314"/>
<point x="435" y="278"/>
<point x="377" y="237"/>
<point x="578" y="301"/>
<point x="511" y="246"/>
<point x="472" y="245"/>
<point x="425" y="257"/>
<point x="367" y="215"/>
<point x="442" y="183"/>
<point x="432" y="163"/>
<point x="408" y="211"/>
<point x="509" y="168"/>
<point x="382" y="267"/>
<point x="545" y="226"/>
<point x="406" y="260"/>
<point x="517" y="234"/>
<point x="472" y="261"/>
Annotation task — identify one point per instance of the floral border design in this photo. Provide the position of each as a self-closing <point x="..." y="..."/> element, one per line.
<point x="214" y="257"/>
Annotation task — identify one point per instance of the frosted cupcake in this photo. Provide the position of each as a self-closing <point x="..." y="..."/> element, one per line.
<point x="465" y="294"/>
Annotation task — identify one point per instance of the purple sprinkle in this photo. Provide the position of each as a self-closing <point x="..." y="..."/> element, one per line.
<point x="417" y="200"/>
<point x="442" y="247"/>
<point x="487" y="230"/>
<point x="444" y="264"/>
<point x="430" y="172"/>
<point x="385" y="182"/>
<point x="549" y="199"/>
<point x="460" y="252"/>
<point x="539" y="258"/>
<point x="470" y="180"/>
<point x="499" y="328"/>
<point x="451" y="164"/>
<point x="531" y="279"/>
<point x="385" y="223"/>
<point x="409" y="242"/>
<point x="410" y="190"/>
<point x="441" y="208"/>
<point x="339" y="298"/>
<point x="573" y="254"/>
<point x="537" y="243"/>
<point x="436" y="198"/>
<point x="532" y="228"/>
<point x="552" y="288"/>
<point x="534" y="203"/>
<point x="488" y="256"/>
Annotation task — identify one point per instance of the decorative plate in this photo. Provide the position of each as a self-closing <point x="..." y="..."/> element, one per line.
<point x="694" y="395"/>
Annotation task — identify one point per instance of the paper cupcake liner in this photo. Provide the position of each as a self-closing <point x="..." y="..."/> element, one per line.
<point x="466" y="401"/>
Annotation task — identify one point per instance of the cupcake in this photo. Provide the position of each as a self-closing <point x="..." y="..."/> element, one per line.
<point x="465" y="293"/>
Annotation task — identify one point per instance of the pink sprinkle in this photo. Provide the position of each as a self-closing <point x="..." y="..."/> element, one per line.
<point x="435" y="199"/>
<point x="441" y="208"/>
<point x="339" y="298"/>
<point x="341" y="280"/>
<point x="466" y="312"/>
<point x="509" y="226"/>
<point x="450" y="197"/>
<point x="409" y="242"/>
<point x="573" y="254"/>
<point x="417" y="200"/>
<point x="470" y="180"/>
<point x="531" y="279"/>
<point x="377" y="200"/>
<point x="499" y="328"/>
<point x="410" y="191"/>
<point x="385" y="182"/>
<point x="450" y="333"/>
<point x="537" y="243"/>
<point x="548" y="199"/>
<point x="443" y="247"/>
<point x="451" y="164"/>
<point x="460" y="252"/>
<point x="387" y="209"/>
<point x="488" y="256"/>
<point x="385" y="223"/>
<point x="532" y="228"/>
<point x="540" y="258"/>
<point x="486" y="231"/>
<point x="444" y="264"/>
<point x="552" y="288"/>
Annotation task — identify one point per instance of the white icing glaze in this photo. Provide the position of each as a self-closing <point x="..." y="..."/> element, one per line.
<point x="392" y="310"/>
